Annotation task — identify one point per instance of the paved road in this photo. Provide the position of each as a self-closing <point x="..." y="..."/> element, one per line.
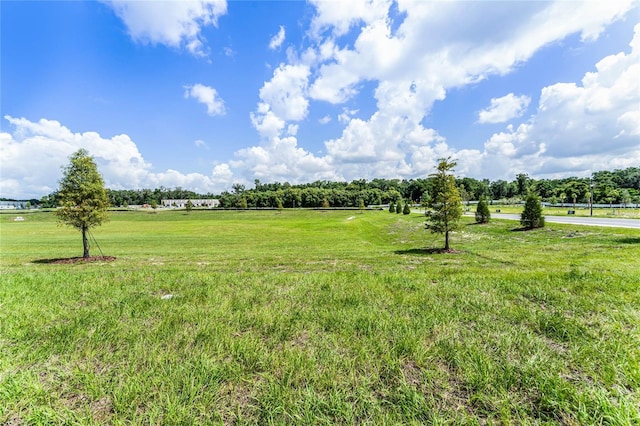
<point x="591" y="221"/>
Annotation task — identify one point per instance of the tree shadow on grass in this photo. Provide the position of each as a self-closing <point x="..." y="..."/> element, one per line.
<point x="477" y="224"/>
<point x="630" y="240"/>
<point x="523" y="229"/>
<point x="71" y="260"/>
<point x="427" y="251"/>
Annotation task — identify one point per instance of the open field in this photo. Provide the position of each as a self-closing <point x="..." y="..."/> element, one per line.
<point x="312" y="317"/>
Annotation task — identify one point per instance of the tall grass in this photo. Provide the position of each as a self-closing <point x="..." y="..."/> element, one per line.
<point x="310" y="317"/>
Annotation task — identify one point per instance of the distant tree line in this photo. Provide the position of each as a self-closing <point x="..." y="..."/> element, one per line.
<point x="618" y="186"/>
<point x="136" y="197"/>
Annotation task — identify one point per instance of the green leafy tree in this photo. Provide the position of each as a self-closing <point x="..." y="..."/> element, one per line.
<point x="399" y="207"/>
<point x="625" y="197"/>
<point x="482" y="212"/>
<point x="445" y="204"/>
<point x="242" y="203"/>
<point x="189" y="206"/>
<point x="278" y="200"/>
<point x="406" y="209"/>
<point x="361" y="205"/>
<point x="82" y="196"/>
<point x="522" y="183"/>
<point x="424" y="200"/>
<point x="392" y="207"/>
<point x="531" y="216"/>
<point x="325" y="203"/>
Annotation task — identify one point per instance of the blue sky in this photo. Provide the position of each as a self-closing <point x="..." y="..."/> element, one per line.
<point x="205" y="94"/>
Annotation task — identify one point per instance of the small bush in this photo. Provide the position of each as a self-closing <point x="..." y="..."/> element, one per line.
<point x="392" y="207"/>
<point x="532" y="214"/>
<point x="406" y="209"/>
<point x="482" y="212"/>
<point x="399" y="207"/>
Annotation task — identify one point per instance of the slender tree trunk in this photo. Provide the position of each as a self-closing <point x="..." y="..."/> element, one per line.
<point x="85" y="243"/>
<point x="446" y="240"/>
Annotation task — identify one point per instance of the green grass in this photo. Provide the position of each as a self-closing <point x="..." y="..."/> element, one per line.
<point x="311" y="317"/>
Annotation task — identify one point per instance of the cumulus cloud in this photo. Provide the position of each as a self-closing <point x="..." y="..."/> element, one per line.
<point x="283" y="160"/>
<point x="425" y="56"/>
<point x="33" y="155"/>
<point x="338" y="17"/>
<point x="278" y="39"/>
<point x="208" y="96"/>
<point x="177" y="24"/>
<point x="412" y="56"/>
<point x="504" y="109"/>
<point x="589" y="126"/>
<point x="282" y="99"/>
<point x="285" y="92"/>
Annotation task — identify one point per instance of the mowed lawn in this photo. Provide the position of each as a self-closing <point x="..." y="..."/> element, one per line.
<point x="317" y="317"/>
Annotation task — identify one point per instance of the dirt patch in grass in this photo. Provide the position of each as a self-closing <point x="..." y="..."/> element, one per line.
<point x="411" y="372"/>
<point x="71" y="260"/>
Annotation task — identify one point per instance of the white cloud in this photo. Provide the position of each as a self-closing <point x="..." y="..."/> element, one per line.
<point x="426" y="46"/>
<point x="340" y="16"/>
<point x="282" y="98"/>
<point x="414" y="65"/>
<point x="266" y="122"/>
<point x="278" y="39"/>
<point x="199" y="143"/>
<point x="282" y="160"/>
<point x="589" y="126"/>
<point x="504" y="109"/>
<point x="33" y="155"/>
<point x="176" y="24"/>
<point x="324" y="120"/>
<point x="208" y="96"/>
<point x="346" y="115"/>
<point x="285" y="92"/>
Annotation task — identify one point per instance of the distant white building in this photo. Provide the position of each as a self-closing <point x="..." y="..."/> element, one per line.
<point x="11" y="205"/>
<point x="210" y="203"/>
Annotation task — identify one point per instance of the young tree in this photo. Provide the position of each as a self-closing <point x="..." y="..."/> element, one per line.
<point x="82" y="196"/>
<point x="531" y="216"/>
<point x="189" y="206"/>
<point x="482" y="212"/>
<point x="406" y="209"/>
<point x="445" y="203"/>
<point x="399" y="207"/>
<point x="392" y="207"/>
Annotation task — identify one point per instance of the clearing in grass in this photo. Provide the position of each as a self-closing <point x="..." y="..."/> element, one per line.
<point x="318" y="317"/>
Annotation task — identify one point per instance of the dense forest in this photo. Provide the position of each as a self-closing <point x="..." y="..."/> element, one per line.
<point x="616" y="187"/>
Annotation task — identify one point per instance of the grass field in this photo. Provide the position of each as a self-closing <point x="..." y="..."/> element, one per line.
<point x="312" y="317"/>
